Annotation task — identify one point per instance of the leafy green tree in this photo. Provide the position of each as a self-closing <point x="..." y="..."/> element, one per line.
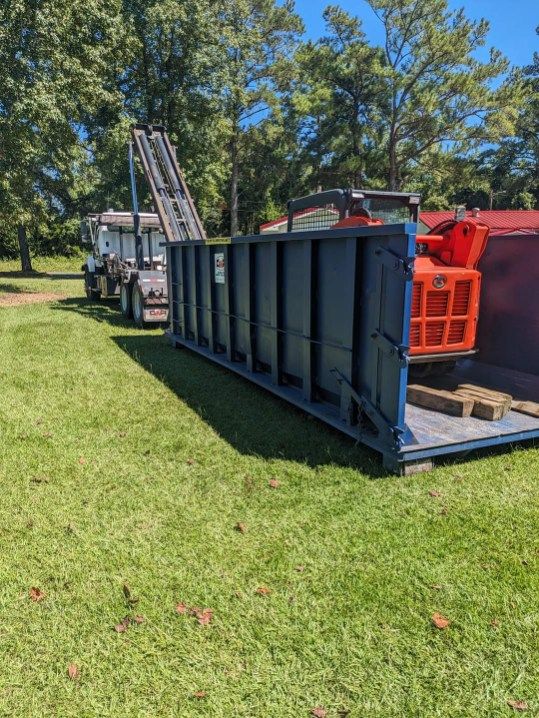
<point x="439" y="92"/>
<point x="259" y="37"/>
<point x="53" y="54"/>
<point x="513" y="166"/>
<point x="340" y="97"/>
<point x="173" y="75"/>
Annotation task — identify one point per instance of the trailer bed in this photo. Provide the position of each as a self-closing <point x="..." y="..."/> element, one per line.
<point x="433" y="430"/>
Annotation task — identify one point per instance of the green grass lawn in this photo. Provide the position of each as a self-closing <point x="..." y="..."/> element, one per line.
<point x="125" y="461"/>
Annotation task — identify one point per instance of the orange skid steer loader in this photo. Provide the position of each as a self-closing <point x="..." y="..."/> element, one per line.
<point x="446" y="282"/>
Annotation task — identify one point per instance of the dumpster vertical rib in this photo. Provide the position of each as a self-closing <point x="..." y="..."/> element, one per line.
<point x="181" y="293"/>
<point x="229" y="304"/>
<point x="195" y="284"/>
<point x="308" y="295"/>
<point x="349" y="338"/>
<point x="251" y="364"/>
<point x="208" y="297"/>
<point x="172" y="277"/>
<point x="274" y="274"/>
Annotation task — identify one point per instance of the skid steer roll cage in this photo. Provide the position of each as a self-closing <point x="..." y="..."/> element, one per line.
<point x="343" y="200"/>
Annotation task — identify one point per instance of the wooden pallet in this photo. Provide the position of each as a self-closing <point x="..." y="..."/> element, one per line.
<point x="462" y="400"/>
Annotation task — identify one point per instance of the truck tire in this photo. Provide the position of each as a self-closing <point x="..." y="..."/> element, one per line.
<point x="91" y="293"/>
<point x="137" y="303"/>
<point x="126" y="303"/>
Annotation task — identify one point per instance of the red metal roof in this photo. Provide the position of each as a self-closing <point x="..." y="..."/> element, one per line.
<point x="500" y="221"/>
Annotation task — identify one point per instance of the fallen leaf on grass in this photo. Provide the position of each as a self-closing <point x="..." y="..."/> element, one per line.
<point x="128" y="621"/>
<point x="263" y="591"/>
<point x="36" y="594"/>
<point x="190" y="462"/>
<point x="47" y="434"/>
<point x="199" y="694"/>
<point x="122" y="626"/>
<point x="274" y="483"/>
<point x="435" y="494"/>
<point x="73" y="672"/>
<point x="444" y="511"/>
<point x="494" y="623"/>
<point x="436" y="586"/>
<point x="518" y="705"/>
<point x="299" y="569"/>
<point x="440" y="621"/>
<point x="241" y="527"/>
<point x="319" y="712"/>
<point x="82" y="460"/>
<point x="204" y="617"/>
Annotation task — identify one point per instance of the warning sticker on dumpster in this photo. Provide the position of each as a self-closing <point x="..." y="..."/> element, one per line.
<point x="219" y="265"/>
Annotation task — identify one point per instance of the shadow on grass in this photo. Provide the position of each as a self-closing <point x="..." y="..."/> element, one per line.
<point x="10" y="288"/>
<point x="247" y="417"/>
<point x="102" y="310"/>
<point x="41" y="275"/>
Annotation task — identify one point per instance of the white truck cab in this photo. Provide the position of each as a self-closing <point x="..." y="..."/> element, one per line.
<point x="111" y="269"/>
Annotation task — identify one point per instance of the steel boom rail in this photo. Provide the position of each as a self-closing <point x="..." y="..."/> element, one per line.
<point x="173" y="203"/>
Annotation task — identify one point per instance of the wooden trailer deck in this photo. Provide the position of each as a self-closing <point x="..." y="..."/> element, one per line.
<point x="432" y="429"/>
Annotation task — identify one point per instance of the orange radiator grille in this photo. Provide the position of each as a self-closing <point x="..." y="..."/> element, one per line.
<point x="434" y="333"/>
<point x="456" y="332"/>
<point x="437" y="303"/>
<point x="443" y="320"/>
<point x="461" y="298"/>
<point x="416" y="300"/>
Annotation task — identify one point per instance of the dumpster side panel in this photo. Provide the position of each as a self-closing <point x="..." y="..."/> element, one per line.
<point x="319" y="318"/>
<point x="508" y="329"/>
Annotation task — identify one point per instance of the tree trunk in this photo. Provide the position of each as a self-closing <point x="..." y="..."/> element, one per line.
<point x="393" y="181"/>
<point x="26" y="262"/>
<point x="234" y="222"/>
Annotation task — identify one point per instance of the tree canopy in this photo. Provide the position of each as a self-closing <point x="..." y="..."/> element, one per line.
<point x="257" y="113"/>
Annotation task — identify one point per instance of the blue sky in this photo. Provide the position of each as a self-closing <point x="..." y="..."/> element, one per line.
<point x="512" y="24"/>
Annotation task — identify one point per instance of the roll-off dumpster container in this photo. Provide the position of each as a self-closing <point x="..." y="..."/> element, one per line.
<point x="322" y="320"/>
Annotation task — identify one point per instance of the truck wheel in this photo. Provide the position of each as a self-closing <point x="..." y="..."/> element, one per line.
<point x="126" y="304"/>
<point x="91" y="293"/>
<point x="137" y="301"/>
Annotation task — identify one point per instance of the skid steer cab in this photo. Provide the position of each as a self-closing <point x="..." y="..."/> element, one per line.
<point x="446" y="283"/>
<point x="112" y="269"/>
